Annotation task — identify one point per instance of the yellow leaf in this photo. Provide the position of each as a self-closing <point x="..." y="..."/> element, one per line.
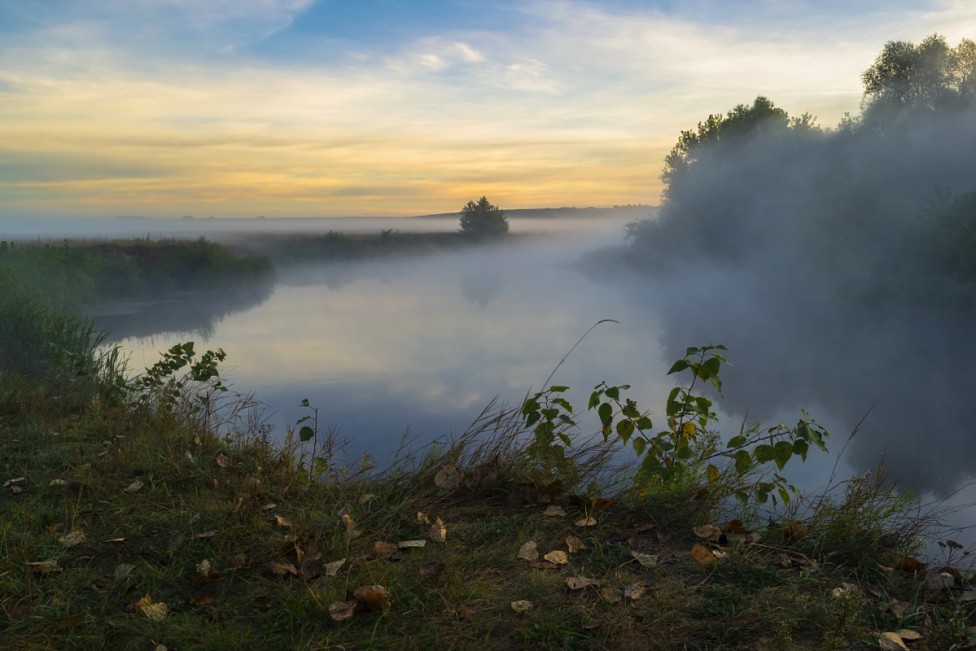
<point x="135" y="486"/>
<point x="340" y="611"/>
<point x="703" y="556"/>
<point x="891" y="642"/>
<point x="588" y="521"/>
<point x="529" y="551"/>
<point x="155" y="612"/>
<point x="522" y="605"/>
<point x="554" y="511"/>
<point x="909" y="634"/>
<point x="712" y="473"/>
<point x="438" y="532"/>
<point x="411" y="544"/>
<point x="558" y="557"/>
<point x="688" y="430"/>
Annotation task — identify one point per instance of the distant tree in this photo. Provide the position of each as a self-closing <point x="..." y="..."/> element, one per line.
<point x="483" y="219"/>
<point x="743" y="121"/>
<point x="910" y="79"/>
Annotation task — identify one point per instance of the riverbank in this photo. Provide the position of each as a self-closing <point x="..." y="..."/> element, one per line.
<point x="146" y="510"/>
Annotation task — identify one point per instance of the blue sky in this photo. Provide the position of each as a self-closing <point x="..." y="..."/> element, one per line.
<point x="387" y="107"/>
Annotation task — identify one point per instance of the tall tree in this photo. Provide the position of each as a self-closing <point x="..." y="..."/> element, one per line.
<point x="483" y="219"/>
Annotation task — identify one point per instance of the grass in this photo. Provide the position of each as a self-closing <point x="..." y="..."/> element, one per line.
<point x="129" y="521"/>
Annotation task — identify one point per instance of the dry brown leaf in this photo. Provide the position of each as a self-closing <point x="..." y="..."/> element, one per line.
<point x="529" y="551"/>
<point x="411" y="544"/>
<point x="522" y="606"/>
<point x="890" y="641"/>
<point x="72" y="538"/>
<point x="376" y="597"/>
<point x="422" y="518"/>
<point x="558" y="557"/>
<point x="58" y="482"/>
<point x="574" y="544"/>
<point x="543" y="565"/>
<point x="223" y="460"/>
<point x="580" y="582"/>
<point x="431" y="569"/>
<point x="909" y="634"/>
<point x="154" y="611"/>
<point x="483" y="476"/>
<point x="554" y="511"/>
<point x="281" y="569"/>
<point x="708" y="532"/>
<point x="385" y="551"/>
<point x="647" y="560"/>
<point x="794" y="533"/>
<point x="438" y="532"/>
<point x="331" y="569"/>
<point x="610" y="595"/>
<point x="448" y="477"/>
<point x="588" y="521"/>
<point x="237" y="562"/>
<point x="123" y="570"/>
<point x="283" y="522"/>
<point x="340" y="611"/>
<point x="135" y="486"/>
<point x="703" y="556"/>
<point x="634" y="591"/>
<point x="203" y="595"/>
<point x="45" y="567"/>
<point x="203" y="568"/>
<point x="206" y="534"/>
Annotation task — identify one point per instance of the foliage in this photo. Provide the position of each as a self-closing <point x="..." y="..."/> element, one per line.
<point x="164" y="385"/>
<point x="483" y="219"/>
<point x="910" y="78"/>
<point x="684" y="448"/>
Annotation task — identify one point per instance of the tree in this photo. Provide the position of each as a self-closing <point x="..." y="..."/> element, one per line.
<point x="482" y="219"/>
<point x="910" y="79"/>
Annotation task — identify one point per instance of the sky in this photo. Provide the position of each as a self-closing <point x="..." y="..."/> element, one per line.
<point x="282" y="108"/>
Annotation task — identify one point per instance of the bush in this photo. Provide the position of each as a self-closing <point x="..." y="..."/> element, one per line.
<point x="483" y="219"/>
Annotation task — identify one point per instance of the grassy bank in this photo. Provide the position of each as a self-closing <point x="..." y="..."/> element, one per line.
<point x="149" y="511"/>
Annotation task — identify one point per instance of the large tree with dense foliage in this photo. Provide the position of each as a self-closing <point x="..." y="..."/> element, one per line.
<point x="483" y="219"/>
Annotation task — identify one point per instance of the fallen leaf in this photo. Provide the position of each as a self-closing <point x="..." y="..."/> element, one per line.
<point x="45" y="567"/>
<point x="58" y="482"/>
<point x="331" y="569"/>
<point x="890" y="641"/>
<point x="522" y="606"/>
<point x="203" y="568"/>
<point x="16" y="480"/>
<point x="283" y="522"/>
<point x="223" y="460"/>
<point x="155" y="612"/>
<point x="340" y="611"/>
<point x="909" y="634"/>
<point x="936" y="580"/>
<point x="72" y="538"/>
<point x="123" y="570"/>
<point x="203" y="595"/>
<point x="558" y="557"/>
<point x="430" y="569"/>
<point x="269" y="506"/>
<point x="385" y="551"/>
<point x="574" y="544"/>
<point x="376" y="597"/>
<point x="647" y="560"/>
<point x="592" y="624"/>
<point x="703" y="556"/>
<point x="529" y="551"/>
<point x="351" y="531"/>
<point x="206" y="534"/>
<point x="580" y="582"/>
<point x="281" y="569"/>
<point x="367" y="498"/>
<point x="115" y="541"/>
<point x="189" y="456"/>
<point x="461" y="611"/>
<point x="634" y="591"/>
<point x="543" y="565"/>
<point x="708" y="532"/>
<point x="16" y="489"/>
<point x="588" y="521"/>
<point x="438" y="532"/>
<point x="422" y="518"/>
<point x="554" y="511"/>
<point x="610" y="595"/>
<point x="484" y="476"/>
<point x="448" y="477"/>
<point x="135" y="486"/>
<point x="412" y="544"/>
<point x="237" y="562"/>
<point x="794" y="533"/>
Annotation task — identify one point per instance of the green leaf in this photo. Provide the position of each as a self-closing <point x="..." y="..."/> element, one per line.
<point x="644" y="423"/>
<point x="558" y="389"/>
<point x="639" y="445"/>
<point x="712" y="473"/>
<point x="305" y="402"/>
<point x="678" y="366"/>
<point x="764" y="453"/>
<point x="562" y="402"/>
<point x="594" y="400"/>
<point x="613" y="393"/>
<point x="736" y="442"/>
<point x="712" y="365"/>
<point x="743" y="461"/>
<point x="605" y="412"/>
<point x="783" y="452"/>
<point x="532" y="418"/>
<point x="784" y="495"/>
<point x="306" y="434"/>
<point x="630" y="410"/>
<point x="800" y="448"/>
<point x="624" y="429"/>
<point x="564" y="438"/>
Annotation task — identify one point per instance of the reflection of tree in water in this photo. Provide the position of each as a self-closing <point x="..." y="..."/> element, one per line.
<point x="194" y="314"/>
<point x="914" y="368"/>
<point x="483" y="288"/>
